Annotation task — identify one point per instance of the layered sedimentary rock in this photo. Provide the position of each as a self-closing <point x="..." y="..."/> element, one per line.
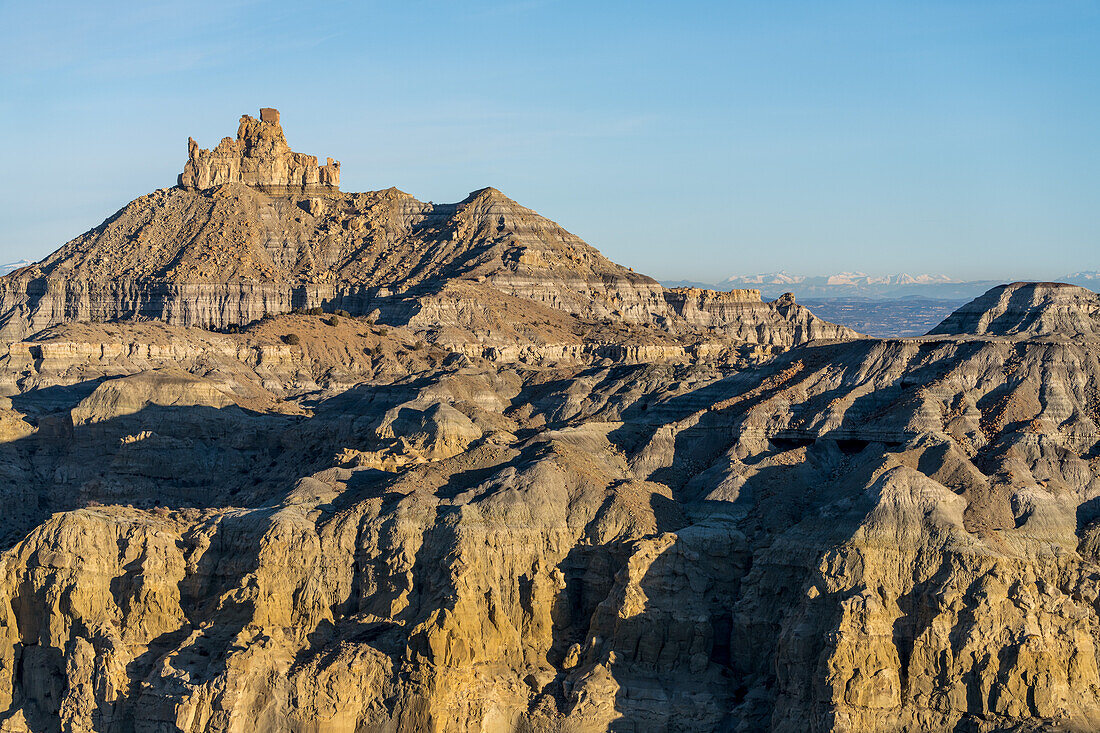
<point x="742" y="315"/>
<point x="259" y="157"/>
<point x="1056" y="310"/>
<point x="850" y="536"/>
<point x="240" y="239"/>
<point x="513" y="486"/>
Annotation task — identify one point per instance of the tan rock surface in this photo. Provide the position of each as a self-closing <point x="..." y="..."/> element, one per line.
<point x="258" y="157"/>
<point x="255" y="229"/>
<point x="518" y="487"/>
<point x="870" y="535"/>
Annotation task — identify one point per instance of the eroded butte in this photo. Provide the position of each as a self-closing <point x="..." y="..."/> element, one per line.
<point x="278" y="457"/>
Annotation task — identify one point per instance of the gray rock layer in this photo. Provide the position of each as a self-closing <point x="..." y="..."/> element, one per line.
<point x="871" y="535"/>
<point x="1029" y="309"/>
<point x="232" y="254"/>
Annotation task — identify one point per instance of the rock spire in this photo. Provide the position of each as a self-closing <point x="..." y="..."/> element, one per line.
<point x="260" y="157"/>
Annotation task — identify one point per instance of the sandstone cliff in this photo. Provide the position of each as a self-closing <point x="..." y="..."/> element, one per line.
<point x="259" y="157"/>
<point x="355" y="533"/>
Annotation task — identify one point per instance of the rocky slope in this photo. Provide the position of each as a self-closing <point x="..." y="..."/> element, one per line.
<point x="1052" y="310"/>
<point x="223" y="532"/>
<point x="236" y="241"/>
<point x="516" y="487"/>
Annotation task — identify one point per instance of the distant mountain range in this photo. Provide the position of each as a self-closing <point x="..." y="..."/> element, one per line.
<point x="842" y="285"/>
<point x="849" y="285"/>
<point x="13" y="266"/>
<point x="1089" y="279"/>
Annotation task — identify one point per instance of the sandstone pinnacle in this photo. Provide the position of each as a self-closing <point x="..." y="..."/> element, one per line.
<point x="260" y="157"/>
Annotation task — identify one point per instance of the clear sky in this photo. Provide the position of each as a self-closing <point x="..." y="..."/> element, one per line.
<point x="685" y="139"/>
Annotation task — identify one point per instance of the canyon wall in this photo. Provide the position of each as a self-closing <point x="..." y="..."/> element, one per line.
<point x="849" y="536"/>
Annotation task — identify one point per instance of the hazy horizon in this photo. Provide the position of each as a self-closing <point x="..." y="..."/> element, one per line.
<point x="696" y="141"/>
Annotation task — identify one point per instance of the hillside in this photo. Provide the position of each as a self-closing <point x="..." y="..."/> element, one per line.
<point x="272" y="232"/>
<point x="360" y="531"/>
<point x="513" y="486"/>
<point x="1052" y="310"/>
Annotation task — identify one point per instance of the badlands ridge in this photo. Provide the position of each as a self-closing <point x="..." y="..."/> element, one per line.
<point x="279" y="457"/>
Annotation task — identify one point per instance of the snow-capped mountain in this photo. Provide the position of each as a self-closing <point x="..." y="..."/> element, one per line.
<point x="839" y="279"/>
<point x="1086" y="279"/>
<point x="769" y="278"/>
<point x="13" y="266"/>
<point x="859" y="285"/>
<point x="876" y="287"/>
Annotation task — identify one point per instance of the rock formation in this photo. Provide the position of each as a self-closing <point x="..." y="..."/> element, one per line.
<point x="227" y="532"/>
<point x="259" y="157"/>
<point x="1055" y="310"/>
<point x="525" y="489"/>
<point x="241" y="238"/>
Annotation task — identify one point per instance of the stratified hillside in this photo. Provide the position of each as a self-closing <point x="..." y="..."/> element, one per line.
<point x="357" y="531"/>
<point x="256" y="240"/>
<point x="513" y="486"/>
<point x="1053" y="310"/>
<point x="237" y="233"/>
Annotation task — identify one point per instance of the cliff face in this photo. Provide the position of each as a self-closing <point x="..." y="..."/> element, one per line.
<point x="744" y="316"/>
<point x="232" y="533"/>
<point x="518" y="487"/>
<point x="259" y="157"/>
<point x="232" y="254"/>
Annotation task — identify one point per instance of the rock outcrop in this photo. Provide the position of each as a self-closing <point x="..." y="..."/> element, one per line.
<point x="241" y="238"/>
<point x="743" y="315"/>
<point x="259" y="157"/>
<point x="1056" y="310"/>
<point x="513" y="486"/>
<point x="227" y="532"/>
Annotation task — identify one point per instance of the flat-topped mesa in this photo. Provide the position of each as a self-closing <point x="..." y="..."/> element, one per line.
<point x="260" y="157"/>
<point x="743" y="295"/>
<point x="744" y="315"/>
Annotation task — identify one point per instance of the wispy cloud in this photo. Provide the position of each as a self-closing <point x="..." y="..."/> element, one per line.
<point x="127" y="40"/>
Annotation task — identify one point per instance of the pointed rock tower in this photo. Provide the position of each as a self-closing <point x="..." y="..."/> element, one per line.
<point x="260" y="157"/>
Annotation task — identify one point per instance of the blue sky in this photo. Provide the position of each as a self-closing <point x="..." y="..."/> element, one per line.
<point x="687" y="140"/>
